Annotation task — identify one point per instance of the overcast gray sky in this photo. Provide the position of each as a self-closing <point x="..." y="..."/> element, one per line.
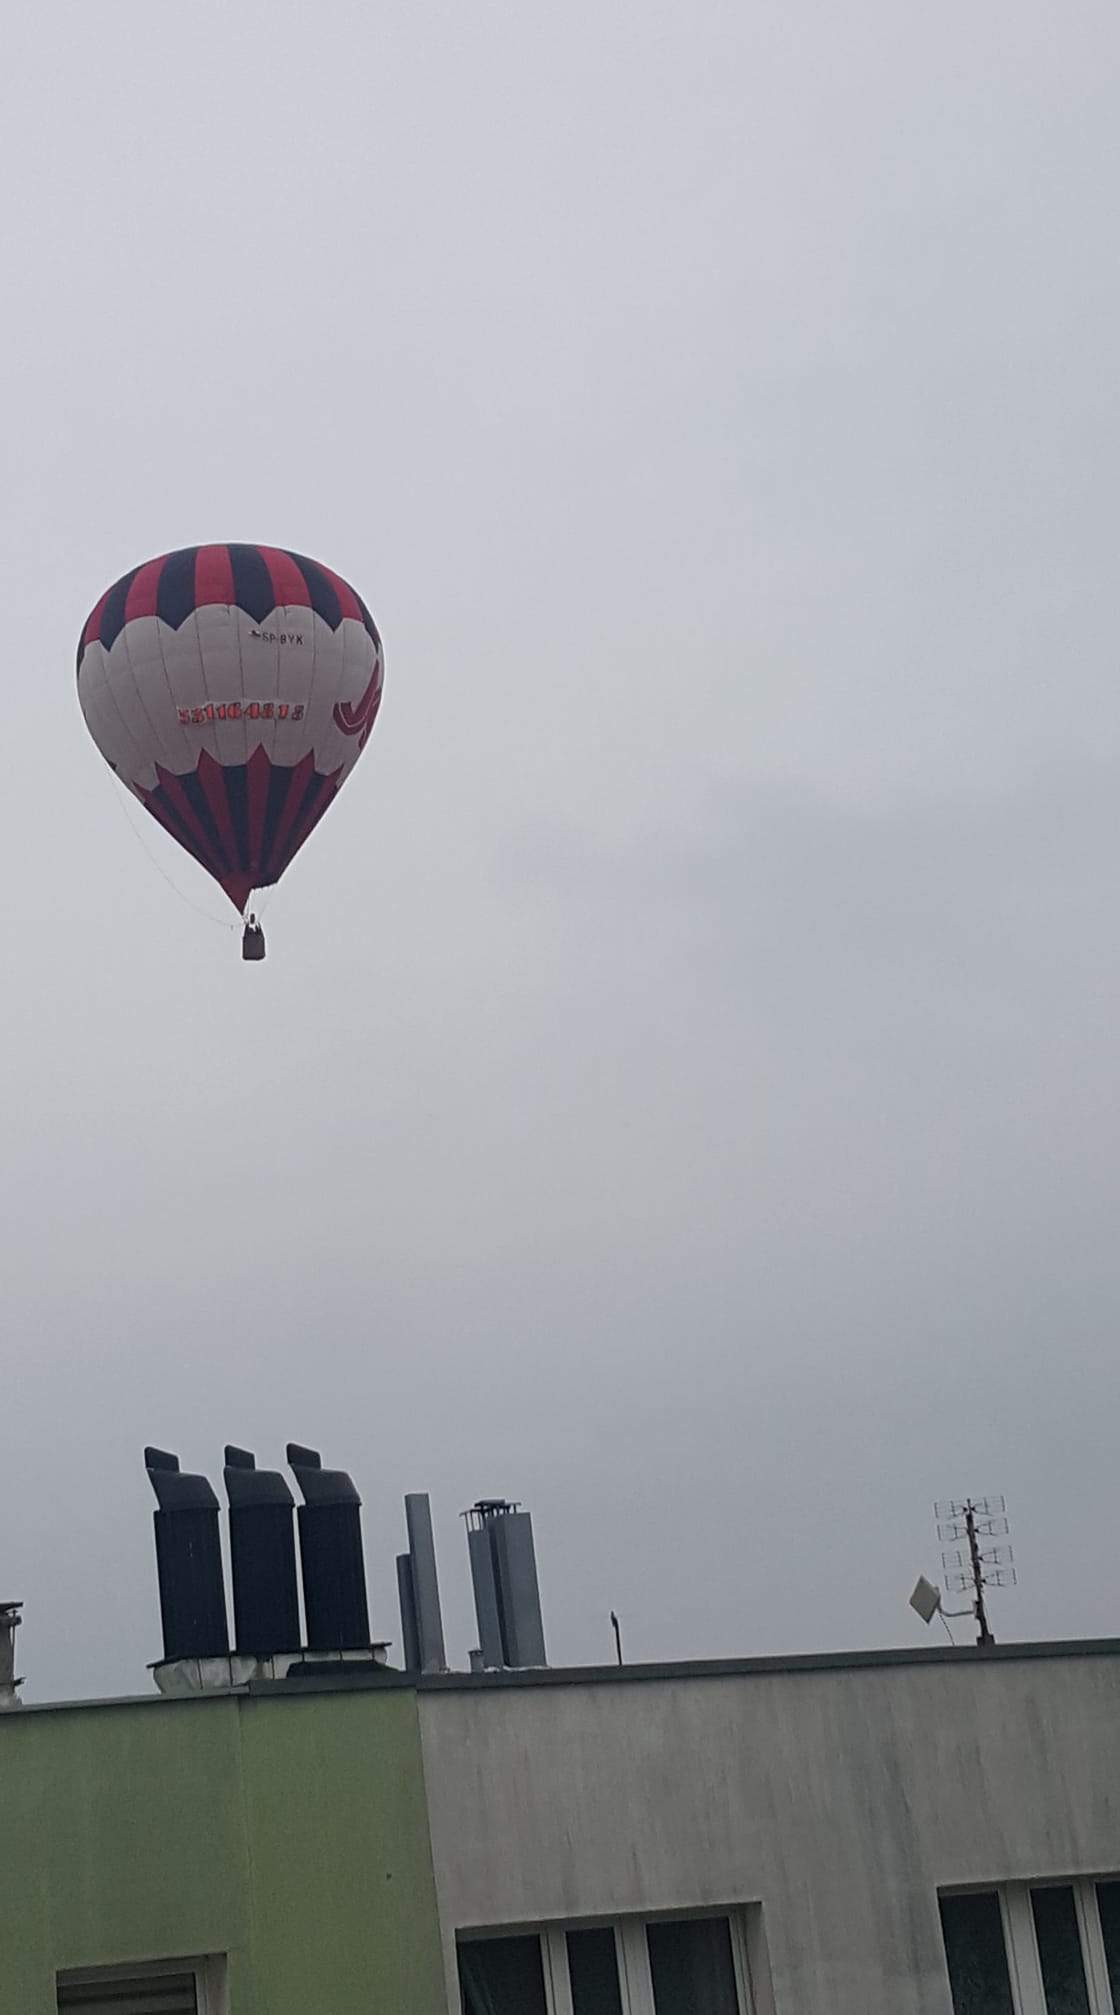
<point x="682" y="1091"/>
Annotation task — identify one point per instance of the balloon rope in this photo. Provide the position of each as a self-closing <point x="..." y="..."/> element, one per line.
<point x="162" y="871"/>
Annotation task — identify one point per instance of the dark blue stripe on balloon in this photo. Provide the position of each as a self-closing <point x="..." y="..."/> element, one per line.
<point x="315" y="786"/>
<point x="367" y="619"/>
<point x="324" y="599"/>
<point x="252" y="583"/>
<point x="112" y="615"/>
<point x="278" y="782"/>
<point x="205" y="817"/>
<point x="175" y="593"/>
<point x="237" y="797"/>
<point x="182" y="831"/>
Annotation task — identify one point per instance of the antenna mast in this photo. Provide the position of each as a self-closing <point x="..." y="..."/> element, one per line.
<point x="971" y="1569"/>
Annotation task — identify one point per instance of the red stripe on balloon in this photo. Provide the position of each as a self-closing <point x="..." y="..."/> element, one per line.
<point x="141" y="597"/>
<point x="238" y="888"/>
<point x="288" y="585"/>
<point x="212" y="778"/>
<point x="93" y="621"/>
<point x="213" y="576"/>
<point x="258" y="770"/>
<point x="348" y="603"/>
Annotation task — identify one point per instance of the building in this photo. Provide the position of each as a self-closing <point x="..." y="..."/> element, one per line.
<point x="856" y="1826"/>
<point x="894" y="1833"/>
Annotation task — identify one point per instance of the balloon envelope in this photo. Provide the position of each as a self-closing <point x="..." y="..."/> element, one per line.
<point x="232" y="689"/>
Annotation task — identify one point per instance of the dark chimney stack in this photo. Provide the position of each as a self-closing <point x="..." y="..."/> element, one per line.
<point x="331" y="1557"/>
<point x="262" y="1545"/>
<point x="192" y="1596"/>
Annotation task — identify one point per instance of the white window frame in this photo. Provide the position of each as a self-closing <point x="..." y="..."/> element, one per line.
<point x="210" y="1982"/>
<point x="1092" y="1944"/>
<point x="1021" y="1947"/>
<point x="635" y="1979"/>
<point x="1024" y="1966"/>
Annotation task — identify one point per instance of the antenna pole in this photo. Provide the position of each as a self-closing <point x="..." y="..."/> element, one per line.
<point x="975" y="1567"/>
<point x="616" y="1627"/>
<point x="983" y="1633"/>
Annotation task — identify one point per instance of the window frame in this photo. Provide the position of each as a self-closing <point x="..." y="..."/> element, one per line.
<point x="635" y="1978"/>
<point x="210" y="1977"/>
<point x="1020" y="1940"/>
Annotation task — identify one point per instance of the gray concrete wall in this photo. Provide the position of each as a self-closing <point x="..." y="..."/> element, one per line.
<point x="839" y="1799"/>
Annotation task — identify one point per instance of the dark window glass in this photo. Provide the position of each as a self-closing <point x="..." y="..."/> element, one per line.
<point x="502" y="1976"/>
<point x="693" y="1971"/>
<point x="593" y="1969"/>
<point x="1108" y="1904"/>
<point x="157" y="1994"/>
<point x="1059" y="1951"/>
<point x="972" y="1928"/>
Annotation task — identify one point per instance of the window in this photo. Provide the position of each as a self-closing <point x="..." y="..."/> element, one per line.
<point x="972" y="1927"/>
<point x="1060" y="1957"/>
<point x="502" y="1976"/>
<point x="593" y="1972"/>
<point x="173" y="1987"/>
<point x="1048" y="1948"/>
<point x="670" y="1966"/>
<point x="692" y="1967"/>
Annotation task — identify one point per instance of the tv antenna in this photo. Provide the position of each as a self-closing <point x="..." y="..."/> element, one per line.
<point x="972" y="1568"/>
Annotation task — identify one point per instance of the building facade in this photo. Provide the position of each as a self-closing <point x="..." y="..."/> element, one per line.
<point x="227" y="1855"/>
<point x="859" y="1825"/>
<point x="932" y="1833"/>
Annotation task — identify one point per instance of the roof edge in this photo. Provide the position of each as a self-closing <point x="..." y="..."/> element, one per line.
<point x="388" y="1680"/>
<point x="773" y="1665"/>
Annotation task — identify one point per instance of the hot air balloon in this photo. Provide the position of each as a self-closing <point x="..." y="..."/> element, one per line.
<point x="232" y="689"/>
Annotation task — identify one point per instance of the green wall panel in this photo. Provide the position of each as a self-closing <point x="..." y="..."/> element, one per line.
<point x="288" y="1832"/>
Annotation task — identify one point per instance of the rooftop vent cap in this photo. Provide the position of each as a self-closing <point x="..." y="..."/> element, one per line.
<point x="319" y="1485"/>
<point x="174" y="1491"/>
